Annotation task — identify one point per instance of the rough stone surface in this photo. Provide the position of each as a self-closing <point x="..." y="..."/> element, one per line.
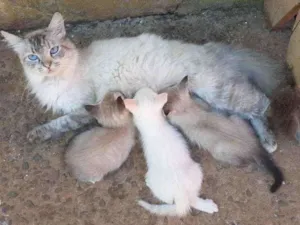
<point x="196" y="6"/>
<point x="48" y="195"/>
<point x="20" y="14"/>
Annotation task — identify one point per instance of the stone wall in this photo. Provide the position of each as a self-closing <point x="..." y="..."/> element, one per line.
<point x="22" y="14"/>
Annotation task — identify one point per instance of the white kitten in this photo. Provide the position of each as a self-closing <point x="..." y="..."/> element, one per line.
<point x="172" y="176"/>
<point x="94" y="153"/>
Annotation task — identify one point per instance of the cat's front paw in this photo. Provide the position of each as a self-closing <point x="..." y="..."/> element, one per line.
<point x="38" y="133"/>
<point x="210" y="206"/>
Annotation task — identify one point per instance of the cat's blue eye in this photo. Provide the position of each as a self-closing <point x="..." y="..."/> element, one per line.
<point x="54" y="50"/>
<point x="33" y="57"/>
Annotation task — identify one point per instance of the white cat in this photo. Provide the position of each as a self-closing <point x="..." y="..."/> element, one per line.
<point x="172" y="176"/>
<point x="65" y="78"/>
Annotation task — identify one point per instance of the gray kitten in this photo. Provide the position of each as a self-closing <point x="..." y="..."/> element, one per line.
<point x="228" y="139"/>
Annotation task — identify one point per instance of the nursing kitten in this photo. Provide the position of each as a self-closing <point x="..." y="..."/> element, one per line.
<point x="172" y="176"/>
<point x="228" y="139"/>
<point x="65" y="78"/>
<point x="94" y="153"/>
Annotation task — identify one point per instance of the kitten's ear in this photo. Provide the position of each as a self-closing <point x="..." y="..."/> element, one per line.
<point x="57" y="26"/>
<point x="118" y="94"/>
<point x="120" y="103"/>
<point x="130" y="104"/>
<point x="14" y="42"/>
<point x="91" y="109"/>
<point x="162" y="98"/>
<point x="184" y="83"/>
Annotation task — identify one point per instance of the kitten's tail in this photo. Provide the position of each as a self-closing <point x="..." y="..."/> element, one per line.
<point x="265" y="158"/>
<point x="285" y="108"/>
<point x="180" y="208"/>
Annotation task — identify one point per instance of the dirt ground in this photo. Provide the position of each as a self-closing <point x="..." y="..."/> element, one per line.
<point x="36" y="189"/>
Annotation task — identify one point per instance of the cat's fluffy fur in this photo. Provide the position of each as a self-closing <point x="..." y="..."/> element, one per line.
<point x="94" y="153"/>
<point x="227" y="78"/>
<point x="228" y="139"/>
<point x="172" y="175"/>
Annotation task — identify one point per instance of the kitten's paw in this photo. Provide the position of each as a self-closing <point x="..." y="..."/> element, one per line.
<point x="38" y="133"/>
<point x="210" y="206"/>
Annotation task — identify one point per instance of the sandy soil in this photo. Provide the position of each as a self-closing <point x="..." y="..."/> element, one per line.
<point x="36" y="189"/>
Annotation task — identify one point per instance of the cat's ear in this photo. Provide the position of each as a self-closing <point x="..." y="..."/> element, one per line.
<point x="91" y="109"/>
<point x="118" y="94"/>
<point x="57" y="26"/>
<point x="120" y="103"/>
<point x="162" y="98"/>
<point x="130" y="104"/>
<point x="184" y="83"/>
<point x="14" y="42"/>
<point x="119" y="98"/>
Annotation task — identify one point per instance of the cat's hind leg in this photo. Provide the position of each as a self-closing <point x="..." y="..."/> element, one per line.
<point x="57" y="127"/>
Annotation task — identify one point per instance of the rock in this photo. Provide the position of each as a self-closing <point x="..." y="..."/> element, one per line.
<point x="248" y="193"/>
<point x="20" y="14"/>
<point x="102" y="203"/>
<point x="37" y="157"/>
<point x="25" y="166"/>
<point x="29" y="204"/>
<point x="12" y="194"/>
<point x="45" y="197"/>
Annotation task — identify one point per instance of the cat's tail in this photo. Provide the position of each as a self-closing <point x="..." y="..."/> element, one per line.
<point x="266" y="160"/>
<point x="285" y="107"/>
<point x="162" y="210"/>
<point x="180" y="208"/>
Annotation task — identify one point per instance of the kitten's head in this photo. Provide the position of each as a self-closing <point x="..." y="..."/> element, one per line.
<point x="45" y="52"/>
<point x="111" y="112"/>
<point x="146" y="103"/>
<point x="179" y="98"/>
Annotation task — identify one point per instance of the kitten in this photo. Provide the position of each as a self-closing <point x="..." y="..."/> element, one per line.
<point x="172" y="175"/>
<point x="94" y="153"/>
<point x="228" y="139"/>
<point x="65" y="79"/>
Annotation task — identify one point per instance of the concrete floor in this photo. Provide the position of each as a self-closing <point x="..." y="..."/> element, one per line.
<point x="36" y="189"/>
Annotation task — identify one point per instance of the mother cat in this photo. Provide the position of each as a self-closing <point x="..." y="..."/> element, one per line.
<point x="65" y="78"/>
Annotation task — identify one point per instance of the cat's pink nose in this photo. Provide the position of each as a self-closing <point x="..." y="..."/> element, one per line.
<point x="48" y="66"/>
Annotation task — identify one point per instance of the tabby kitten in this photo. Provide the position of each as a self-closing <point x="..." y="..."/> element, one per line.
<point x="228" y="139"/>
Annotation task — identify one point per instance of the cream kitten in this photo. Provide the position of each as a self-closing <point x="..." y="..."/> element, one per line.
<point x="94" y="153"/>
<point x="228" y="139"/>
<point x="172" y="176"/>
<point x="65" y="79"/>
